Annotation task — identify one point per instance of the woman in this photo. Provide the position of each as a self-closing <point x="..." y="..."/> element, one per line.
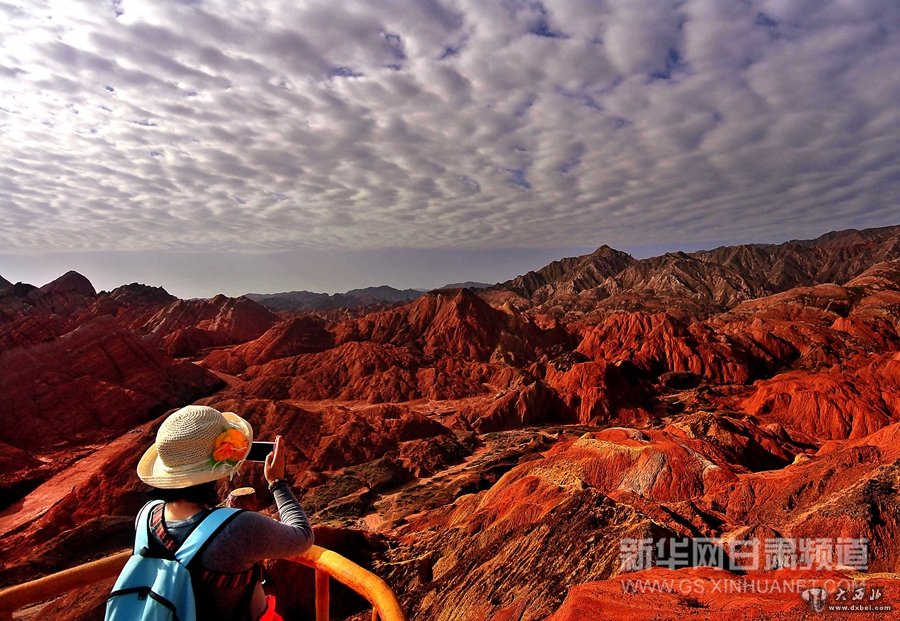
<point x="196" y="446"/>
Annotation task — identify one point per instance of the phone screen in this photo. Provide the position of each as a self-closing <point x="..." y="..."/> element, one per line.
<point x="259" y="451"/>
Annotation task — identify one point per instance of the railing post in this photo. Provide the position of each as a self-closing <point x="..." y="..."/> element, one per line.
<point x="323" y="605"/>
<point x="243" y="498"/>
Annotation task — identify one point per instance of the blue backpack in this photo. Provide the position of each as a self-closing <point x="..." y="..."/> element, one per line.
<point x="159" y="589"/>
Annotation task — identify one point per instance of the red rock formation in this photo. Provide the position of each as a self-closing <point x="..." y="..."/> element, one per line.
<point x="657" y="465"/>
<point x="742" y="442"/>
<point x="353" y="371"/>
<point x="25" y="326"/>
<point x="545" y="525"/>
<point x="64" y="295"/>
<point x="843" y="491"/>
<point x="521" y="404"/>
<point x="333" y="437"/>
<point x="453" y="323"/>
<point x="814" y="327"/>
<point x="600" y="392"/>
<point x="89" y="385"/>
<point x="658" y="344"/>
<point x="102" y="484"/>
<point x="31" y="315"/>
<point x="19" y="472"/>
<point x="185" y="327"/>
<point x="298" y="335"/>
<point x="132" y="305"/>
<point x="382" y="373"/>
<point x="834" y="404"/>
<point x="515" y="554"/>
<point x="526" y="522"/>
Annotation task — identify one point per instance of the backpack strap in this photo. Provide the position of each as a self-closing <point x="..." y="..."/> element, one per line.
<point x="217" y="579"/>
<point x="231" y="581"/>
<point x="141" y="538"/>
<point x="159" y="529"/>
<point x="203" y="533"/>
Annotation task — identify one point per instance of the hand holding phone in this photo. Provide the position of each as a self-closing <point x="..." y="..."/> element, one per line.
<point x="260" y="450"/>
<point x="274" y="468"/>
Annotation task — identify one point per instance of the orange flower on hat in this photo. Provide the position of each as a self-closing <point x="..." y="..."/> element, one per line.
<point x="230" y="447"/>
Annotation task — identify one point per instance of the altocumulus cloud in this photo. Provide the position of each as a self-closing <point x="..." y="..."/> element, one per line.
<point x="268" y="125"/>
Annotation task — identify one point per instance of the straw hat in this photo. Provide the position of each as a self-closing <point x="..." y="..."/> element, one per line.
<point x="194" y="445"/>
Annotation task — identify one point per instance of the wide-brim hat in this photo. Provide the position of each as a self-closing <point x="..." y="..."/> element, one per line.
<point x="195" y="445"/>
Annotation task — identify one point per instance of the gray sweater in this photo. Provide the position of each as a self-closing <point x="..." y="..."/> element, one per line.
<point x="247" y="539"/>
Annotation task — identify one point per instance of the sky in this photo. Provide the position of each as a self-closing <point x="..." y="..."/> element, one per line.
<point x="259" y="146"/>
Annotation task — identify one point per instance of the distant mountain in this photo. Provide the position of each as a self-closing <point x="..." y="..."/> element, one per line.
<point x="469" y="284"/>
<point x="700" y="283"/>
<point x="306" y="301"/>
<point x="62" y="296"/>
<point x="383" y="294"/>
<point x="70" y="282"/>
<point x="581" y="273"/>
<point x="5" y="284"/>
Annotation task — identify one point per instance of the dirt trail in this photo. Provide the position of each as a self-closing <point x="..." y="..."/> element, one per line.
<point x="232" y="380"/>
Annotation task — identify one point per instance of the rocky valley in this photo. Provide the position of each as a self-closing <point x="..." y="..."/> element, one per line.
<point x="488" y="451"/>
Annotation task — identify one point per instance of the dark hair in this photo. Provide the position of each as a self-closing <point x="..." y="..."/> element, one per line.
<point x="204" y="494"/>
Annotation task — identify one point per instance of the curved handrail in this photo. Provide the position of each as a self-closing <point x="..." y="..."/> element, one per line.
<point x="325" y="562"/>
<point x="352" y="575"/>
<point x="15" y="597"/>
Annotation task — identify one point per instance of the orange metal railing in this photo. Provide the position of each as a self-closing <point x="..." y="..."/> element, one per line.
<point x="327" y="564"/>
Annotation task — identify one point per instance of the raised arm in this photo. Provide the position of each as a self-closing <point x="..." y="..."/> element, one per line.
<point x="289" y="509"/>
<point x="252" y="536"/>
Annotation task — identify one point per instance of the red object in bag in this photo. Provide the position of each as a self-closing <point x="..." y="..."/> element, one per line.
<point x="270" y="614"/>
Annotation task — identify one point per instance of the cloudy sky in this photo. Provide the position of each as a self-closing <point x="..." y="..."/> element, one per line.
<point x="264" y="146"/>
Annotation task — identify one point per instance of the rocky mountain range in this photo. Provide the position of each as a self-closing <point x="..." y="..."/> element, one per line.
<point x="487" y="452"/>
<point x="368" y="298"/>
<point x="700" y="282"/>
<point x="307" y="301"/>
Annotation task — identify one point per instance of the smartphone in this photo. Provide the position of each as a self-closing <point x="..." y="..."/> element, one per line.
<point x="259" y="451"/>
